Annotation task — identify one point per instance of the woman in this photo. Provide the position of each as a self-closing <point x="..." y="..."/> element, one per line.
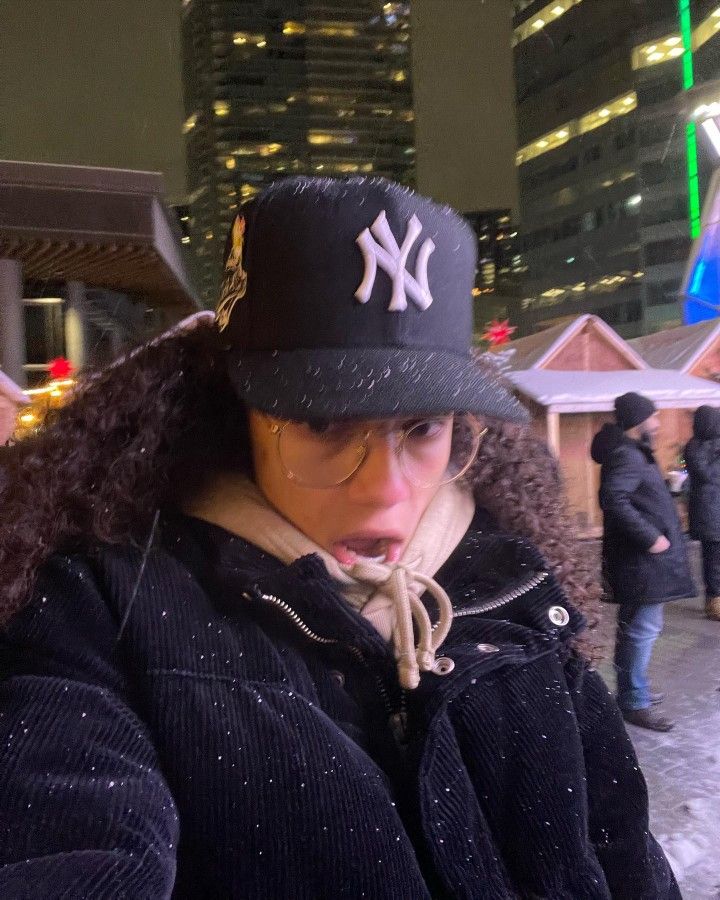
<point x="282" y="640"/>
<point x="702" y="456"/>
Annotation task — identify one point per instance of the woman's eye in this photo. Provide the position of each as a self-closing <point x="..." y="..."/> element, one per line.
<point x="319" y="426"/>
<point x="426" y="428"/>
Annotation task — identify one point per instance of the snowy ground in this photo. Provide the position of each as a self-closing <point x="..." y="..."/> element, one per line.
<point x="682" y="767"/>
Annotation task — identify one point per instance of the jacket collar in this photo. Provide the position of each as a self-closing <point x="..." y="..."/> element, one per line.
<point x="642" y="446"/>
<point x="485" y="565"/>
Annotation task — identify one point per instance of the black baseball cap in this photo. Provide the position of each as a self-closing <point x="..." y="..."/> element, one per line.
<point x="351" y="298"/>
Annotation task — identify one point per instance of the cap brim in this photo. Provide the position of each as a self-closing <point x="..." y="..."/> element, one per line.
<point x="368" y="383"/>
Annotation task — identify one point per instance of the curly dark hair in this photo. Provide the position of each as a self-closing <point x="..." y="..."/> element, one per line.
<point x="145" y="433"/>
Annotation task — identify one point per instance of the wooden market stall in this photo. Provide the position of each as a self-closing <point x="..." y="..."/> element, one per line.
<point x="692" y="349"/>
<point x="569" y="376"/>
<point x="581" y="401"/>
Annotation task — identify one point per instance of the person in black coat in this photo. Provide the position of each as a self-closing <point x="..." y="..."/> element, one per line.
<point x="275" y="620"/>
<point x="702" y="457"/>
<point x="644" y="550"/>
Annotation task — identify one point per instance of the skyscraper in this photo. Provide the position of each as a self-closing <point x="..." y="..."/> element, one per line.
<point x="283" y="87"/>
<point x="611" y="178"/>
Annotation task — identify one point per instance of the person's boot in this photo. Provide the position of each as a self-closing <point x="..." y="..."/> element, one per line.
<point x="712" y="608"/>
<point x="647" y="718"/>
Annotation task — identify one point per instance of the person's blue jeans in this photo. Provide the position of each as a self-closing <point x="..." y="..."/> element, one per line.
<point x="637" y="631"/>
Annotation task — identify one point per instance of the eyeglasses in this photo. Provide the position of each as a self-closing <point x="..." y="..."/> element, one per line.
<point x="431" y="452"/>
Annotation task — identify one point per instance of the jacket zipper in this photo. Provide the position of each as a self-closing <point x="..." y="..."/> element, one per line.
<point x="506" y="597"/>
<point x="397" y="715"/>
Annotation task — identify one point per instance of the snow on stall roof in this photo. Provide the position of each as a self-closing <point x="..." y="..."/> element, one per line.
<point x="528" y="351"/>
<point x="677" y="348"/>
<point x="532" y="351"/>
<point x="596" y="391"/>
<point x="12" y="391"/>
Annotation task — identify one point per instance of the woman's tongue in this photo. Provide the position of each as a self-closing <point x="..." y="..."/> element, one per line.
<point x="378" y="549"/>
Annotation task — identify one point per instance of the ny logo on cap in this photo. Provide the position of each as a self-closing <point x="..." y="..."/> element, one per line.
<point x="392" y="260"/>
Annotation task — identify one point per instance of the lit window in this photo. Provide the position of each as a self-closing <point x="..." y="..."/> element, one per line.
<point x="670" y="47"/>
<point x="706" y="29"/>
<point x="221" y="108"/>
<point x="247" y="37"/>
<point x="544" y="17"/>
<point x="336" y="30"/>
<point x="620" y="106"/>
<point x="547" y="142"/>
<point x="189" y="123"/>
<point x="256" y="150"/>
<point x="269" y="149"/>
<point x="294" y="28"/>
<point x="336" y="137"/>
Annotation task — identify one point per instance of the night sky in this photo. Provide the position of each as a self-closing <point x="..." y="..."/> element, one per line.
<point x="98" y="82"/>
<point x="94" y="82"/>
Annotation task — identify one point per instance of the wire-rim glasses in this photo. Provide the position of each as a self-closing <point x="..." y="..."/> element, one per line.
<point x="431" y="451"/>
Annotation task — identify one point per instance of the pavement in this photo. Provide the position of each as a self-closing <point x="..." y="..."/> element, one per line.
<point x="682" y="767"/>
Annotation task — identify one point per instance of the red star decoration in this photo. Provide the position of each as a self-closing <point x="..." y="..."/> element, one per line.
<point x="60" y="367"/>
<point x="498" y="333"/>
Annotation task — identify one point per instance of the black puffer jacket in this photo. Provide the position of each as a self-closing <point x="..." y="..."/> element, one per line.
<point x="702" y="456"/>
<point x="638" y="508"/>
<point x="232" y="740"/>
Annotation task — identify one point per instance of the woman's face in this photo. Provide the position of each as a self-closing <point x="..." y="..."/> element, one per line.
<point x="374" y="513"/>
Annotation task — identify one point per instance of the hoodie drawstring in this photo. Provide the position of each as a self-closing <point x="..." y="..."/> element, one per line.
<point x="402" y="584"/>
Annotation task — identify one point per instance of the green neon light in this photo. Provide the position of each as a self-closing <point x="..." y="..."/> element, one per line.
<point x="693" y="182"/>
<point x="686" y="32"/>
<point x="688" y="76"/>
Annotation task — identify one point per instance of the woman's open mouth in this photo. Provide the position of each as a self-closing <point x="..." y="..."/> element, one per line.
<point x="348" y="551"/>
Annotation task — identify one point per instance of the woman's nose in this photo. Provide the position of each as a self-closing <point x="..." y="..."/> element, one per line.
<point x="380" y="479"/>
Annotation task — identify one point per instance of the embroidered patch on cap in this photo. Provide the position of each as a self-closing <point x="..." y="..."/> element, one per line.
<point x="234" y="283"/>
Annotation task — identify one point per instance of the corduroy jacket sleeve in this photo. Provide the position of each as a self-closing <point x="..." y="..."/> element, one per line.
<point x="620" y="478"/>
<point x="634" y="864"/>
<point x="84" y="809"/>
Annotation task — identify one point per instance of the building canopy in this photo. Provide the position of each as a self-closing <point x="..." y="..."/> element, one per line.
<point x="106" y="228"/>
